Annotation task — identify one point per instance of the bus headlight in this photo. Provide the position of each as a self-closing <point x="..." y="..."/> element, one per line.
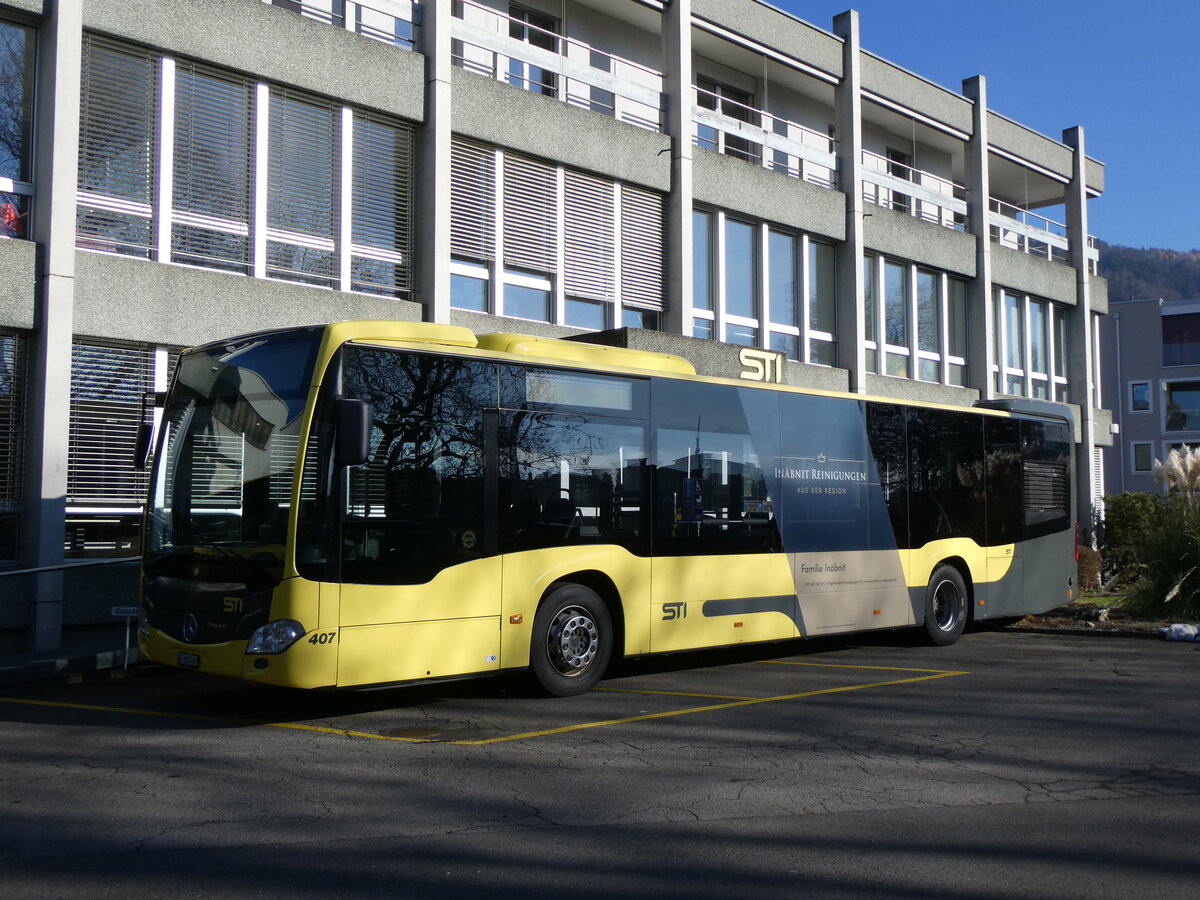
<point x="275" y="637"/>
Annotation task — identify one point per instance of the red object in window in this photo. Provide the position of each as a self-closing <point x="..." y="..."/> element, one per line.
<point x="10" y="220"/>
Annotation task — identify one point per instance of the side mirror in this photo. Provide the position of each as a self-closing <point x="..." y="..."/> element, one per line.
<point x="353" y="431"/>
<point x="144" y="442"/>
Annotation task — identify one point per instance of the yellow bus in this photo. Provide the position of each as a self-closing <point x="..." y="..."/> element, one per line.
<point x="376" y="503"/>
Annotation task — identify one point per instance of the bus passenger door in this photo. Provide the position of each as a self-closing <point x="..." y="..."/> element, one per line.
<point x="419" y="576"/>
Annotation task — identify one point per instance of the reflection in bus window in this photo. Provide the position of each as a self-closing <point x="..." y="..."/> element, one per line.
<point x="416" y="506"/>
<point x="570" y="479"/>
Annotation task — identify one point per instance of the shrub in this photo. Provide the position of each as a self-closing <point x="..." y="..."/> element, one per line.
<point x="1088" y="570"/>
<point x="1127" y="520"/>
<point x="1158" y="539"/>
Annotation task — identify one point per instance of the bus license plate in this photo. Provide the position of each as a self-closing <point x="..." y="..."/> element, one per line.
<point x="191" y="660"/>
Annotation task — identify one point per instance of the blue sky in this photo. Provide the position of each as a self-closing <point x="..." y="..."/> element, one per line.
<point x="1128" y="72"/>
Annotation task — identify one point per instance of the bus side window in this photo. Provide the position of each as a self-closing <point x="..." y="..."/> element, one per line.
<point x="714" y="444"/>
<point x="946" y="475"/>
<point x="1005" y="482"/>
<point x="416" y="506"/>
<point x="571" y="479"/>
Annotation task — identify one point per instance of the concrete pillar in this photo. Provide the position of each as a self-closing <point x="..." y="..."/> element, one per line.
<point x="851" y="324"/>
<point x="677" y="87"/>
<point x="56" y="165"/>
<point x="981" y="325"/>
<point x="433" y="167"/>
<point x="1083" y="367"/>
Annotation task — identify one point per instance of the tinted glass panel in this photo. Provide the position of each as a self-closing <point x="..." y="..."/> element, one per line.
<point x="946" y="476"/>
<point x="417" y="505"/>
<point x="715" y="447"/>
<point x="1004" y="482"/>
<point x="571" y="479"/>
<point x="886" y="430"/>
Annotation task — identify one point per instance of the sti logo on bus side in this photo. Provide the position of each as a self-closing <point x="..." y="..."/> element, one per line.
<point x="673" y="611"/>
<point x="761" y="365"/>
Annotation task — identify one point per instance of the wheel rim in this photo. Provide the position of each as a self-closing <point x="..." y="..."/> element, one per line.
<point x="573" y="641"/>
<point x="947" y="605"/>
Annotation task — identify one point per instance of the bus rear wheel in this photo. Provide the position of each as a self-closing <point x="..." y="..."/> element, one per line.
<point x="572" y="640"/>
<point x="946" y="606"/>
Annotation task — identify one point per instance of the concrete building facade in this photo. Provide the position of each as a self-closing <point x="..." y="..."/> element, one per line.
<point x="1151" y="379"/>
<point x="698" y="176"/>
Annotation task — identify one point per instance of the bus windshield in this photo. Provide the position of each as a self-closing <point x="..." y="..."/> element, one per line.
<point x="223" y="477"/>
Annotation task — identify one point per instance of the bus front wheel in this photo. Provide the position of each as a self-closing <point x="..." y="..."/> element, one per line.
<point x="572" y="640"/>
<point x="946" y="606"/>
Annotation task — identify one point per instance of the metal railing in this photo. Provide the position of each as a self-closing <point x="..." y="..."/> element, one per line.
<point x="895" y="185"/>
<point x="763" y="138"/>
<point x="1027" y="232"/>
<point x="390" y="21"/>
<point x="504" y="48"/>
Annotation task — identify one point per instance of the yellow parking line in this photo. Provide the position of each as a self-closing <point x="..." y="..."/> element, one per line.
<point x="699" y="709"/>
<point x="613" y="690"/>
<point x="191" y="717"/>
<point x="731" y="703"/>
<point x="789" y="662"/>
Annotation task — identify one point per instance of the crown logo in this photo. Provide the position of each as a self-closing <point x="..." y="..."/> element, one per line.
<point x="820" y="457"/>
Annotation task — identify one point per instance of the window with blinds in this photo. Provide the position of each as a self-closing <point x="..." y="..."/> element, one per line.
<point x="589" y="269"/>
<point x="117" y="143"/>
<point x="301" y="188"/>
<point x="13" y="388"/>
<point x="382" y="207"/>
<point x="214" y="169"/>
<point x="641" y="247"/>
<point x="105" y="493"/>
<point x="472" y="200"/>
<point x="530" y="214"/>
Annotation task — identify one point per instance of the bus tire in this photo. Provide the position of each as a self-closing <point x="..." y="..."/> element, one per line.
<point x="946" y="606"/>
<point x="572" y="640"/>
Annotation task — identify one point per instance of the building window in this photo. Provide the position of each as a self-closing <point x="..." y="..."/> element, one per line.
<point x="13" y="388"/>
<point x="213" y="198"/>
<point x="573" y="248"/>
<point x="254" y="179"/>
<point x="118" y="145"/>
<point x="735" y="104"/>
<point x="105" y="493"/>
<point x="822" y="303"/>
<point x="527" y="295"/>
<point x="1141" y="399"/>
<point x="896" y="313"/>
<point x="17" y="60"/>
<point x="469" y="286"/>
<point x="1031" y="347"/>
<point x="763" y="286"/>
<point x="1182" y="399"/>
<point x="539" y="31"/>
<point x="1143" y="460"/>
<point x="1181" y="339"/>
<point x="919" y="322"/>
<point x="741" y="270"/>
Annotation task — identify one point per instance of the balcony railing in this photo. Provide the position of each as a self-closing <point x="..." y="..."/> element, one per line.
<point x="390" y="21"/>
<point x="1027" y="232"/>
<point x="763" y="138"/>
<point x="512" y="50"/>
<point x="894" y="185"/>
